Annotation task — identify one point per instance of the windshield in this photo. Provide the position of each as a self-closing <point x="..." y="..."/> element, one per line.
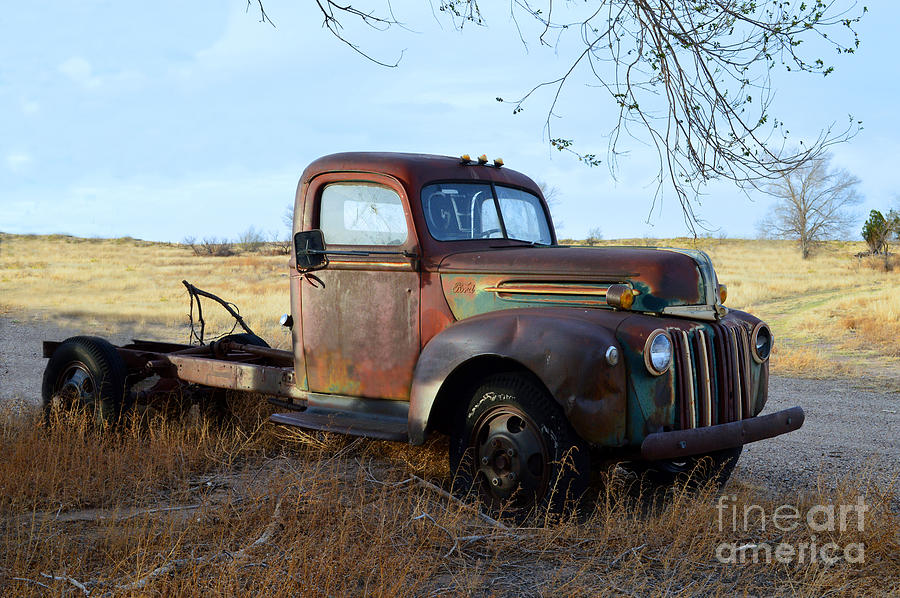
<point x="464" y="211"/>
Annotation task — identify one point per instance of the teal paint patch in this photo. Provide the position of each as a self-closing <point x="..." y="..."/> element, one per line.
<point x="651" y="399"/>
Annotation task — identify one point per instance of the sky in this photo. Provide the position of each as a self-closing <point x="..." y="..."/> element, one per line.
<point x="166" y="120"/>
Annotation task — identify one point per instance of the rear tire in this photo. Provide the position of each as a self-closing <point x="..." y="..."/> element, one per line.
<point x="514" y="449"/>
<point x="85" y="372"/>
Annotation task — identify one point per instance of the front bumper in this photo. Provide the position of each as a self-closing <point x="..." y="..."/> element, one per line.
<point x="699" y="441"/>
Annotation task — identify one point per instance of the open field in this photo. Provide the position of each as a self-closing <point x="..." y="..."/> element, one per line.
<point x="125" y="284"/>
<point x="832" y="315"/>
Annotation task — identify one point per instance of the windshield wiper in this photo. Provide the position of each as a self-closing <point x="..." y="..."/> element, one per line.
<point x="526" y="244"/>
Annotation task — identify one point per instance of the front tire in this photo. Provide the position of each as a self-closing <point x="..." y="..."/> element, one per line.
<point x="515" y="450"/>
<point x="85" y="372"/>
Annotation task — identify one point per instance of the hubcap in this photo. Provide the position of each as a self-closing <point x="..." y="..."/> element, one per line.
<point x="512" y="460"/>
<point x="76" y="387"/>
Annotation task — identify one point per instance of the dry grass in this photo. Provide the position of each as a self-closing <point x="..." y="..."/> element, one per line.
<point x="870" y="322"/>
<point x="172" y="509"/>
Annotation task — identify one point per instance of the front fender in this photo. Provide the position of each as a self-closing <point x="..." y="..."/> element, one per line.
<point x="564" y="347"/>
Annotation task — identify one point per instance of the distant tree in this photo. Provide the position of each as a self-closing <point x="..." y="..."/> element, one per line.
<point x="594" y="236"/>
<point x="288" y="218"/>
<point x="876" y="232"/>
<point x="551" y="196"/>
<point x="692" y="79"/>
<point x="893" y="219"/>
<point x="251" y="240"/>
<point x="280" y="242"/>
<point x="813" y="203"/>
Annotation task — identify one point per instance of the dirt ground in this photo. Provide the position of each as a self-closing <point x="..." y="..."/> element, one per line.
<point x="851" y="426"/>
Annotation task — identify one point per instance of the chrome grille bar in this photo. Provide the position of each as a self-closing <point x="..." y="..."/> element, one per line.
<point x="735" y="375"/>
<point x="687" y="370"/>
<point x="712" y="375"/>
<point x="745" y="372"/>
<point x="705" y="390"/>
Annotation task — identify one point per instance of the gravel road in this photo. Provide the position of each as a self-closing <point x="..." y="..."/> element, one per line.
<point x="847" y="431"/>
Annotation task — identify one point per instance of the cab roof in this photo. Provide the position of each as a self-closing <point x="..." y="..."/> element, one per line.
<point x="416" y="170"/>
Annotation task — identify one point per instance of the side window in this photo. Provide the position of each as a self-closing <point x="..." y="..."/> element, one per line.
<point x="362" y="214"/>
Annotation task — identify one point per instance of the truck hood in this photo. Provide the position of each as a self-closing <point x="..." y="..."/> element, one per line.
<point x="671" y="281"/>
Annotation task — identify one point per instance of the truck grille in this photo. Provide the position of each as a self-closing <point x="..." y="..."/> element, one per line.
<point x="712" y="374"/>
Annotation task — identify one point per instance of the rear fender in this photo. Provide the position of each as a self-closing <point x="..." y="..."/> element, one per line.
<point x="567" y="354"/>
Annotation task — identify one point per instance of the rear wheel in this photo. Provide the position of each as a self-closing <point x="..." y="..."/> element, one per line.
<point x="85" y="372"/>
<point x="515" y="449"/>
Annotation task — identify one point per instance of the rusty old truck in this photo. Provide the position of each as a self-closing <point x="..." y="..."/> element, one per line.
<point x="429" y="294"/>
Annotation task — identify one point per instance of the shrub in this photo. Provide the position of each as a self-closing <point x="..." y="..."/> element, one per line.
<point x="216" y="247"/>
<point x="876" y="232"/>
<point x="251" y="240"/>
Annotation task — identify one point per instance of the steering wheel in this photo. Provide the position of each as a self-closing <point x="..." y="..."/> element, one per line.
<point x="439" y="210"/>
<point x="485" y="234"/>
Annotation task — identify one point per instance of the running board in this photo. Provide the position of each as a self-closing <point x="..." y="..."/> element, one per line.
<point x="345" y="422"/>
<point x="358" y="416"/>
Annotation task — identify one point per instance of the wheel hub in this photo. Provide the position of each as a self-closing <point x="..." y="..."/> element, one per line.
<point x="511" y="456"/>
<point x="76" y="387"/>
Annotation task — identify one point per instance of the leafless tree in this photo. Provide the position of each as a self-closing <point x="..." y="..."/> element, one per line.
<point x="594" y="236"/>
<point x="551" y="195"/>
<point x="813" y="203"/>
<point x="251" y="240"/>
<point x="690" y="78"/>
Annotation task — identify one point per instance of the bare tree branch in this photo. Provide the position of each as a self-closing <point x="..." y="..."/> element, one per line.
<point x="690" y="78"/>
<point x="332" y="13"/>
<point x="263" y="17"/>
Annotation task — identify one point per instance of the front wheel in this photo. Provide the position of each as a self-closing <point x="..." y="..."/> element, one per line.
<point x="515" y="449"/>
<point x="85" y="372"/>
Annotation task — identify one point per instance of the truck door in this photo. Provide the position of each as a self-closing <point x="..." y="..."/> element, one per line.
<point x="361" y="331"/>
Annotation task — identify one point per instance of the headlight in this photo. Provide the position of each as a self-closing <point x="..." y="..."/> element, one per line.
<point x="658" y="352"/>
<point x="761" y="342"/>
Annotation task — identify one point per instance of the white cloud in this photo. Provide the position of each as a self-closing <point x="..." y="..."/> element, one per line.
<point x="80" y="71"/>
<point x="244" y="43"/>
<point x="18" y="161"/>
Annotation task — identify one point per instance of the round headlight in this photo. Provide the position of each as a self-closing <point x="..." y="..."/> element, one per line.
<point x="761" y="342"/>
<point x="658" y="352"/>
